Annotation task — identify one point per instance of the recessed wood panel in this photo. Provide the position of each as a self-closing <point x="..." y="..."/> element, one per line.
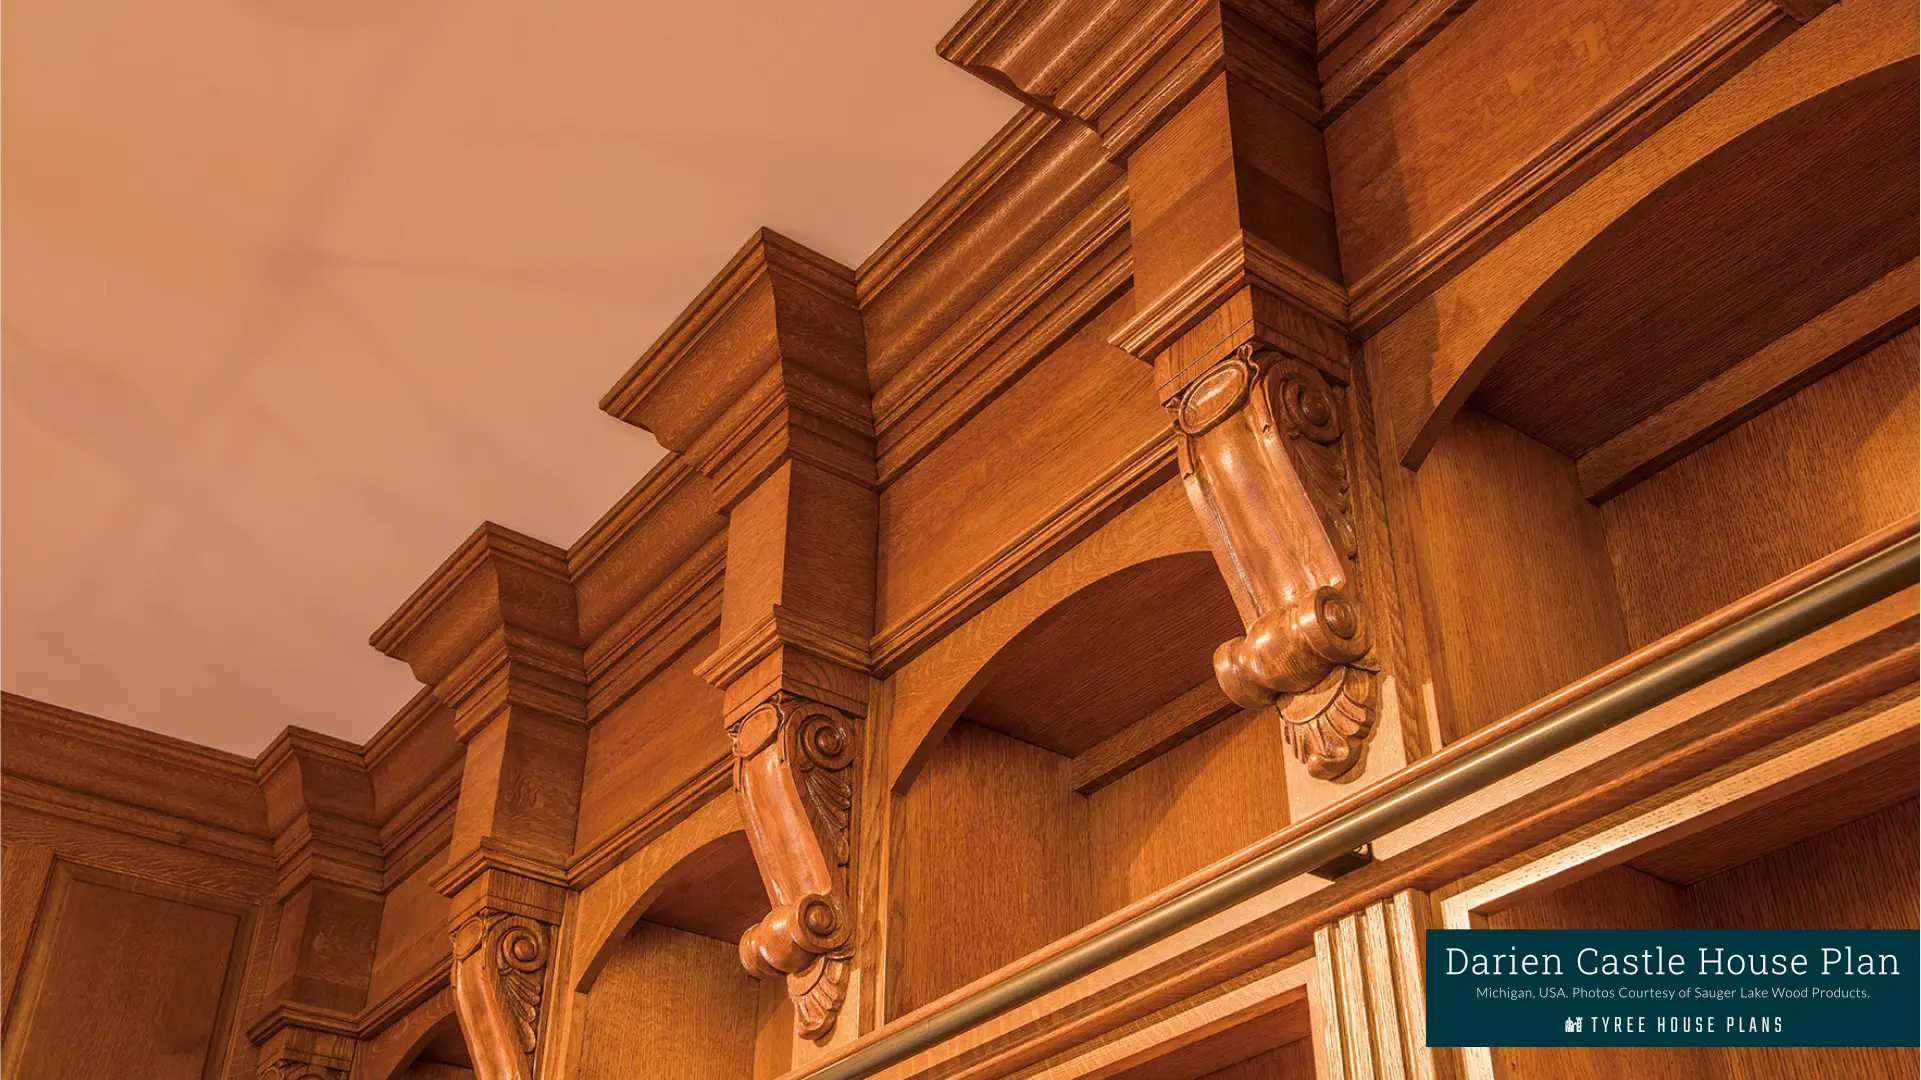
<point x="1201" y="801"/>
<point x="1826" y="467"/>
<point x="1109" y="654"/>
<point x="991" y="841"/>
<point x="126" y="978"/>
<point x="413" y="931"/>
<point x="1514" y="572"/>
<point x="715" y="892"/>
<point x="670" y="1003"/>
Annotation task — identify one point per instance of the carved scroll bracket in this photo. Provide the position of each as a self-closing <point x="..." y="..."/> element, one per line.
<point x="499" y="979"/>
<point x="794" y="770"/>
<point x="1266" y="466"/>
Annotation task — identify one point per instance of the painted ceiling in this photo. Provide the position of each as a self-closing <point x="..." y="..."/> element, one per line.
<point x="298" y="292"/>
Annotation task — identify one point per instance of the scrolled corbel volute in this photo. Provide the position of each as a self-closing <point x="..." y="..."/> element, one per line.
<point x="499" y="980"/>
<point x="1264" y="460"/>
<point x="794" y="771"/>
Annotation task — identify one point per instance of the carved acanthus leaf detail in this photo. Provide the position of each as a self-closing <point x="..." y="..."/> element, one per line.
<point x="499" y="977"/>
<point x="1265" y="462"/>
<point x="793" y="769"/>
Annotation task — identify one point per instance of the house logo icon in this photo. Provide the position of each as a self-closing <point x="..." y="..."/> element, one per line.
<point x="1572" y="1025"/>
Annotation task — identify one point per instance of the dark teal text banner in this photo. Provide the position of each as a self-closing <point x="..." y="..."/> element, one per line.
<point x="1673" y="988"/>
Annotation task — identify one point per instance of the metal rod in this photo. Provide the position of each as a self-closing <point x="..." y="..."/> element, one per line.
<point x="1843" y="593"/>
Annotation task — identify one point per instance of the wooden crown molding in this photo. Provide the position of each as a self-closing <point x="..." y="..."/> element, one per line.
<point x="975" y="183"/>
<point x="495" y="625"/>
<point x="420" y="829"/>
<point x="674" y="617"/>
<point x="401" y="729"/>
<point x="1120" y="486"/>
<point x="1123" y="66"/>
<point x="783" y="629"/>
<point x="82" y="764"/>
<point x="1334" y="20"/>
<point x="163" y="750"/>
<point x="434" y="977"/>
<point x="767" y="363"/>
<point x="304" y="1042"/>
<point x="714" y="780"/>
<point x="497" y="577"/>
<point x="1033" y="282"/>
<point x="647" y="579"/>
<point x="626" y="521"/>
<point x="1722" y="46"/>
<point x="69" y="807"/>
<point x="1381" y="47"/>
<point x="1803" y="10"/>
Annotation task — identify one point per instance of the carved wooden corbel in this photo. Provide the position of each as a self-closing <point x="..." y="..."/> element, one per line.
<point x="1266" y="466"/>
<point x="794" y="771"/>
<point x="499" y="979"/>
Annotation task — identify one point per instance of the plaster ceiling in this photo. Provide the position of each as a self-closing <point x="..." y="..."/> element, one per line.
<point x="298" y="292"/>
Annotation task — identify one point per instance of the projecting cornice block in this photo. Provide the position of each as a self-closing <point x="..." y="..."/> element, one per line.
<point x="495" y="625"/>
<point x="1123" y="67"/>
<point x="766" y="365"/>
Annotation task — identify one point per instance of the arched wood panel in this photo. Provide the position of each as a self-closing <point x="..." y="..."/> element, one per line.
<point x="931" y="691"/>
<point x="1437" y="353"/>
<point x="611" y="906"/>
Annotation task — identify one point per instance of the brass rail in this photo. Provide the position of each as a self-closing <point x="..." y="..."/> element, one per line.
<point x="1842" y="593"/>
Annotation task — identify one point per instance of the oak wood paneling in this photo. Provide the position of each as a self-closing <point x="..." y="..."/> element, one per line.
<point x="649" y="745"/>
<point x="24" y="872"/>
<point x="1835" y="337"/>
<point x="1825" y="467"/>
<point x="670" y="1003"/>
<point x="1081" y="410"/>
<point x="1514" y="570"/>
<point x="126" y="978"/>
<point x="1294" y="1061"/>
<point x="1110" y="654"/>
<point x="1500" y="83"/>
<point x="1201" y="801"/>
<point x="1740" y="252"/>
<point x="990" y="845"/>
<point x="413" y="932"/>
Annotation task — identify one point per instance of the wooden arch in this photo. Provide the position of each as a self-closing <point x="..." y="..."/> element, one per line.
<point x="1439" y="351"/>
<point x="395" y="1048"/>
<point x="611" y="906"/>
<point x="932" y="690"/>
